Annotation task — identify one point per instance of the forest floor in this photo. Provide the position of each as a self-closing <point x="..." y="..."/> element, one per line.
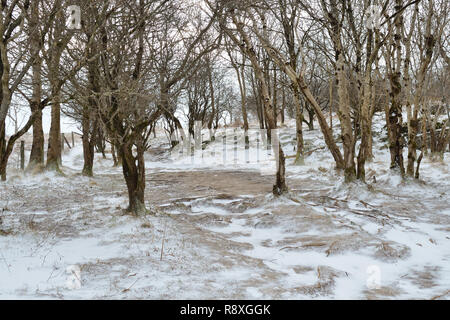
<point x="218" y="233"/>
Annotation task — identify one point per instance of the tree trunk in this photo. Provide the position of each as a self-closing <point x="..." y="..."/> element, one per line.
<point x="243" y="96"/>
<point x="327" y="132"/>
<point x="299" y="157"/>
<point x="37" y="148"/>
<point x="3" y="159"/>
<point x="413" y="125"/>
<point x="88" y="143"/>
<point x="134" y="174"/>
<point x="99" y="140"/>
<point x="213" y="106"/>
<point x="283" y="106"/>
<point x="331" y="103"/>
<point x="256" y="94"/>
<point x="54" y="141"/>
<point x="371" y="113"/>
<point x="113" y="153"/>
<point x="54" y="74"/>
<point x="280" y="186"/>
<point x="424" y="135"/>
<point x="3" y="164"/>
<point x="311" y="118"/>
<point x="88" y="155"/>
<point x="346" y="124"/>
<point x="366" y="131"/>
<point x="412" y="146"/>
<point x="275" y="98"/>
<point x="394" y="121"/>
<point x="394" y="116"/>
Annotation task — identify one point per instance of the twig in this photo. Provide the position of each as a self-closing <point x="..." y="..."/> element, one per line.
<point x="441" y="295"/>
<point x="162" y="243"/>
<point x="128" y="289"/>
<point x="6" y="262"/>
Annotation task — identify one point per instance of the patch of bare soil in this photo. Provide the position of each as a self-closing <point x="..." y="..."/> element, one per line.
<point x="166" y="186"/>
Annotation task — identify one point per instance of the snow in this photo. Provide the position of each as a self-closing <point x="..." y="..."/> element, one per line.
<point x="219" y="233"/>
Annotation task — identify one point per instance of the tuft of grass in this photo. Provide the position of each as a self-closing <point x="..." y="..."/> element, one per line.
<point x="146" y="225"/>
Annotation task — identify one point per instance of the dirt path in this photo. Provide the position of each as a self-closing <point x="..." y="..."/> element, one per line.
<point x="164" y="186"/>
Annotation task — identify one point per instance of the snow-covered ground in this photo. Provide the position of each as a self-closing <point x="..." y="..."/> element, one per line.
<point x="219" y="233"/>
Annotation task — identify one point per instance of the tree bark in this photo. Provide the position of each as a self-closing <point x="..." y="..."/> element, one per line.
<point x="3" y="159"/>
<point x="413" y="125"/>
<point x="213" y="104"/>
<point x="134" y="174"/>
<point x="299" y="157"/>
<point x="54" y="141"/>
<point x="366" y="131"/>
<point x="243" y="90"/>
<point x="311" y="118"/>
<point x="283" y="106"/>
<point x="346" y="124"/>
<point x="394" y="116"/>
<point x="37" y="148"/>
<point x="88" y="127"/>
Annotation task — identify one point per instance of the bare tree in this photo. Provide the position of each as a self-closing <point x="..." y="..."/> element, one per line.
<point x="241" y="38"/>
<point x="16" y="60"/>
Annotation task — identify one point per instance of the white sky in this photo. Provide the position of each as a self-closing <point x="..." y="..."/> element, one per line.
<point x="67" y="125"/>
